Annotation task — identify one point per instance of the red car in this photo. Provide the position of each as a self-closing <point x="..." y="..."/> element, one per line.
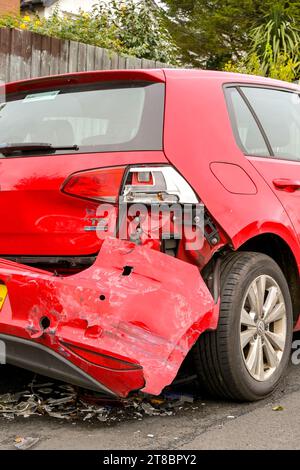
<point x="93" y="288"/>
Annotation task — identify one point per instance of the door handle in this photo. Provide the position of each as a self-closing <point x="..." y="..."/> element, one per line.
<point x="286" y="184"/>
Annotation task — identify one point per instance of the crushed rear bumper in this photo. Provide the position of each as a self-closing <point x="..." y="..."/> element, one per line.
<point x="124" y="324"/>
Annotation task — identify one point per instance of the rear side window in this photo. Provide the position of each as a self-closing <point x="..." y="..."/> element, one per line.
<point x="246" y="130"/>
<point x="279" y="114"/>
<point x="104" y="117"/>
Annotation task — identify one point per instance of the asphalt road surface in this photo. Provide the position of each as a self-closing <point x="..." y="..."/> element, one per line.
<point x="204" y="424"/>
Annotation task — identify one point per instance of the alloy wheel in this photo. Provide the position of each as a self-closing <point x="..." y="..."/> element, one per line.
<point x="263" y="327"/>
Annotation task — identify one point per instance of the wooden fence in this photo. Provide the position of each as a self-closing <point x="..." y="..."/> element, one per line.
<point x="24" y="55"/>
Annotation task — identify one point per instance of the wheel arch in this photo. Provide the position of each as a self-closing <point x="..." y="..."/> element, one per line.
<point x="279" y="250"/>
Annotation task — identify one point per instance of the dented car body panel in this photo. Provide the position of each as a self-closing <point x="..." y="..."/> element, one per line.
<point x="128" y="330"/>
<point x="128" y="319"/>
<point x="241" y="214"/>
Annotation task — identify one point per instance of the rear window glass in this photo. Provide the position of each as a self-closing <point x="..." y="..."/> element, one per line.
<point x="119" y="116"/>
<point x="246" y="130"/>
<point x="279" y="114"/>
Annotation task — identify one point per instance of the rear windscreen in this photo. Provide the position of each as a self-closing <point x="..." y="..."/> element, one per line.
<point x="119" y="116"/>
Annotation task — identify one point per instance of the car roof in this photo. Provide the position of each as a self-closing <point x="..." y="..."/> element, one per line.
<point x="157" y="75"/>
<point x="228" y="77"/>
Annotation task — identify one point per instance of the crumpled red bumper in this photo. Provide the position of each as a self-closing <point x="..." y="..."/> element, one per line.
<point x="127" y="322"/>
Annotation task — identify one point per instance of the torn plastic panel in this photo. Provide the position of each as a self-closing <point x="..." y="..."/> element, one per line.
<point x="127" y="322"/>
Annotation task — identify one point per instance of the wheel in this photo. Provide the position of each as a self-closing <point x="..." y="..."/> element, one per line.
<point x="245" y="358"/>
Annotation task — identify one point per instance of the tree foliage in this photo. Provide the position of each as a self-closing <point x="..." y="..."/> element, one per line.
<point x="128" y="27"/>
<point x="274" y="48"/>
<point x="212" y="32"/>
<point x="281" y="67"/>
<point x="281" y="33"/>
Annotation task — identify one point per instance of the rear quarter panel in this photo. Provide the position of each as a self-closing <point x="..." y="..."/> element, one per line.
<point x="197" y="134"/>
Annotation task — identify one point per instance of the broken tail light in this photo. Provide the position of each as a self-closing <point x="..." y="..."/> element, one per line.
<point x="143" y="185"/>
<point x="153" y="197"/>
<point x="149" y="199"/>
<point x="156" y="185"/>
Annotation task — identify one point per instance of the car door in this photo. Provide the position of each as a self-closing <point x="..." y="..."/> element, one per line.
<point x="276" y="154"/>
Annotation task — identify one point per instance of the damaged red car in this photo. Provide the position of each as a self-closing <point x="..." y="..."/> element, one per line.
<point x="148" y="216"/>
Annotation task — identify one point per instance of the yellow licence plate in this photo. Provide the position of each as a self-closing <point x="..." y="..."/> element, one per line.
<point x="3" y="295"/>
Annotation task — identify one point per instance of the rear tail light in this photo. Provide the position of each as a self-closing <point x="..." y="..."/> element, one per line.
<point x="153" y="197"/>
<point x="149" y="199"/>
<point x="143" y="185"/>
<point x="150" y="204"/>
<point x="102" y="185"/>
<point x="157" y="185"/>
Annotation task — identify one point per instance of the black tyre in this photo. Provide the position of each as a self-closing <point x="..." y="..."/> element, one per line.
<point x="245" y="358"/>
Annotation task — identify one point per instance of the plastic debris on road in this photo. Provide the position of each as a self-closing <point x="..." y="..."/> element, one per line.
<point x="278" y="408"/>
<point x="24" y="443"/>
<point x="67" y="402"/>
